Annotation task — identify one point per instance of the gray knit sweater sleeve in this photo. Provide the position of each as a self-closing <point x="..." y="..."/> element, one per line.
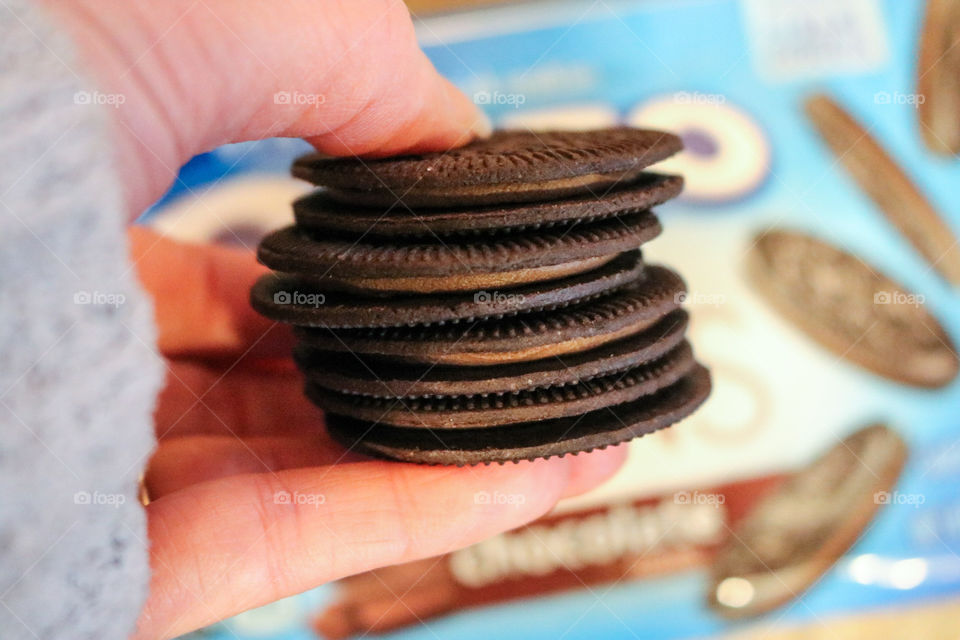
<point x="78" y="368"/>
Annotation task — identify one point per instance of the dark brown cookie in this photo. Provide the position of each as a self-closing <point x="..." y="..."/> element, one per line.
<point x="465" y="412"/>
<point x="938" y="77"/>
<point x="289" y="299"/>
<point x="852" y="309"/>
<point x="786" y="543"/>
<point x="526" y="441"/>
<point x="522" y="337"/>
<point x="318" y="211"/>
<point x="510" y="166"/>
<point x="375" y="375"/>
<point x="886" y="183"/>
<point x="444" y="265"/>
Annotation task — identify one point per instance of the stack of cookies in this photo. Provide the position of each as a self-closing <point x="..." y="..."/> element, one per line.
<point x="489" y="303"/>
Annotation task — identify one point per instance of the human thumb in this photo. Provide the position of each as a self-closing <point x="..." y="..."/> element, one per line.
<point x="345" y="74"/>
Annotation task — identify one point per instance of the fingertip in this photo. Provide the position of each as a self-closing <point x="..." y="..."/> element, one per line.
<point x="482" y="126"/>
<point x="590" y="470"/>
<point x="464" y="112"/>
<point x="417" y="112"/>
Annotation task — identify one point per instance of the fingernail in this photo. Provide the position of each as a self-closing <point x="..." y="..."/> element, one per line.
<point x="482" y="127"/>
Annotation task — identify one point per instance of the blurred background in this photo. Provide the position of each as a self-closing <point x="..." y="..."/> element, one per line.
<point x="829" y="119"/>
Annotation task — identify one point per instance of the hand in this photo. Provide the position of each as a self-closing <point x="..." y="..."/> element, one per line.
<point x="251" y="501"/>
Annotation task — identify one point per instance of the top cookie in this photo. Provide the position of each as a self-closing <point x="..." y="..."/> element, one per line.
<point x="510" y="166"/>
<point x="319" y="212"/>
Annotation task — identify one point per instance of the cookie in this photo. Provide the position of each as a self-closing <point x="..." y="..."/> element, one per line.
<point x="380" y="376"/>
<point x="852" y="309"/>
<point x="529" y="440"/>
<point x="794" y="535"/>
<point x="485" y="410"/>
<point x="882" y="179"/>
<point x="446" y="265"/>
<point x="509" y="166"/>
<point x="318" y="211"/>
<point x="287" y="298"/>
<point x="521" y="337"/>
<point x="938" y="77"/>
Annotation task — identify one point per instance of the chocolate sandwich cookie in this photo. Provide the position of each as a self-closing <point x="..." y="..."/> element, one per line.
<point x="797" y="533"/>
<point x="288" y="298"/>
<point x="520" y="337"/>
<point x="318" y="211"/>
<point x="380" y="376"/>
<point x="852" y="309"/>
<point x="882" y="179"/>
<point x="938" y="77"/>
<point x="510" y="166"/>
<point x="486" y="410"/>
<point x="527" y="440"/>
<point x="514" y="319"/>
<point x="444" y="265"/>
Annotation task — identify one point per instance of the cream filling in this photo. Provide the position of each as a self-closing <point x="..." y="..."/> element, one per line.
<point x="474" y="281"/>
<point x="573" y="345"/>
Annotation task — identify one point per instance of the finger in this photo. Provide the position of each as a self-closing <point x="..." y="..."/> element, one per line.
<point x="347" y="74"/>
<point x="239" y="401"/>
<point x="231" y="544"/>
<point x="182" y="462"/>
<point x="201" y="299"/>
<point x="594" y="468"/>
